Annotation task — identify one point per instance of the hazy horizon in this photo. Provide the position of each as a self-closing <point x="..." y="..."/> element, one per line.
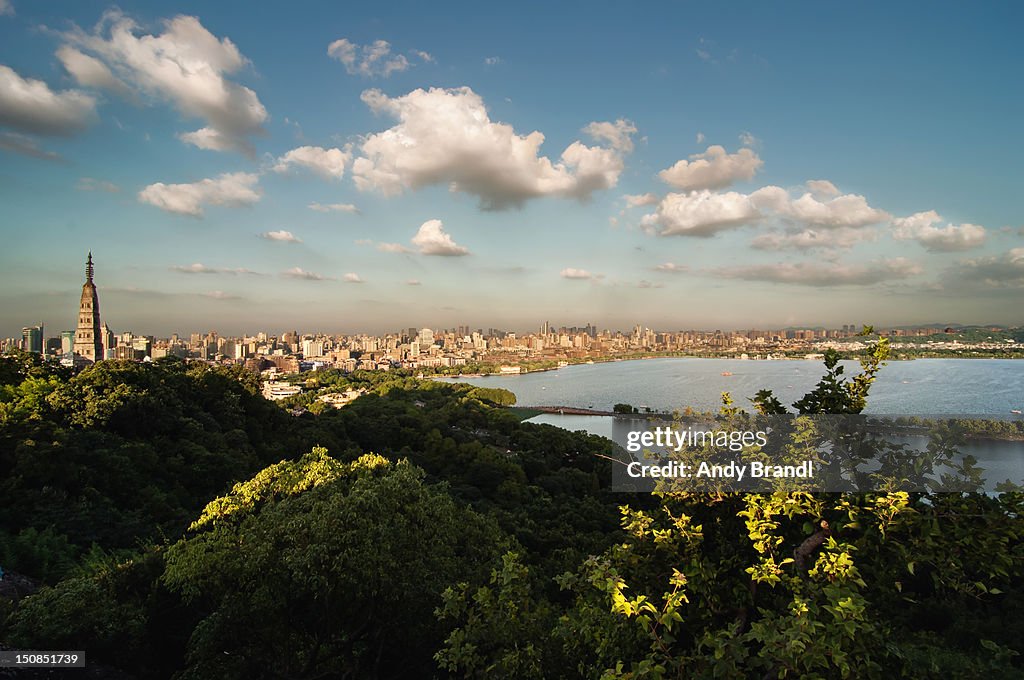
<point x="151" y="323"/>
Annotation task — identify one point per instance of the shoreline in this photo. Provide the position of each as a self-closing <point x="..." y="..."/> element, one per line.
<point x="896" y="429"/>
<point x="609" y="360"/>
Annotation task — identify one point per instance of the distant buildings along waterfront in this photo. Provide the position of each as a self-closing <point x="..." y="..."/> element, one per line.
<point x="430" y="349"/>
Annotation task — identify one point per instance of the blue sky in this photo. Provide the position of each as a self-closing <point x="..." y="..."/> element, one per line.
<point x="784" y="163"/>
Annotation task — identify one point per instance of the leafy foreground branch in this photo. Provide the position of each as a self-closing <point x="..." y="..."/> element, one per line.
<point x="777" y="585"/>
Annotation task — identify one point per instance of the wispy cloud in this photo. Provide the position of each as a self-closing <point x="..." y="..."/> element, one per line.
<point x="373" y="60"/>
<point x="392" y="248"/>
<point x="672" y="268"/>
<point x="302" y="274"/>
<point x="91" y="184"/>
<point x="814" y="273"/>
<point x="637" y="200"/>
<point x="27" y="146"/>
<point x="1004" y="271"/>
<point x="220" y="295"/>
<point x="334" y="207"/>
<point x="199" y="268"/>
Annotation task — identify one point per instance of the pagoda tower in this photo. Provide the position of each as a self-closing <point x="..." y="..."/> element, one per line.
<point x="88" y="338"/>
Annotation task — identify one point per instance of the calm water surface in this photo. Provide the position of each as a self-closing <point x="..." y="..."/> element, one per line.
<point x="989" y="387"/>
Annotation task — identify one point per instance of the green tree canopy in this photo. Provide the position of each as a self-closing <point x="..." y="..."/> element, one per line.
<point x="329" y="569"/>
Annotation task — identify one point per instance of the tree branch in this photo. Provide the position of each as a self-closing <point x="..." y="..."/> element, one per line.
<point x="810" y="544"/>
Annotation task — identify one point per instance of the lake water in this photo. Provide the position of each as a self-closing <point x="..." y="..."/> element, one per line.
<point x="927" y="387"/>
<point x="1001" y="460"/>
<point x="936" y="387"/>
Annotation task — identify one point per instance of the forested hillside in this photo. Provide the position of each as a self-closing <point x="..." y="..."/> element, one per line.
<point x="179" y="525"/>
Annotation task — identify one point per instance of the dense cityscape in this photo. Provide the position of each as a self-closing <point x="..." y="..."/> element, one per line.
<point x="462" y="348"/>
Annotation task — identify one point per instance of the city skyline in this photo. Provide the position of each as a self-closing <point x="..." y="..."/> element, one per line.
<point x="348" y="172"/>
<point x="464" y="348"/>
<point x="94" y="339"/>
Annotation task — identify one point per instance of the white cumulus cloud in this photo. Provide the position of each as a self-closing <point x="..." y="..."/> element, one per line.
<point x="806" y="218"/>
<point x="578" y="274"/>
<point x="847" y="210"/>
<point x="29" y="105"/>
<point x="282" y="236"/>
<point x="328" y="163"/>
<point x="445" y="136"/>
<point x="714" y="169"/>
<point x="352" y="277"/>
<point x="923" y="228"/>
<point x="700" y="213"/>
<point x="230" y="189"/>
<point x="91" y="72"/>
<point x="431" y="239"/>
<point x="822" y="188"/>
<point x="185" y="65"/>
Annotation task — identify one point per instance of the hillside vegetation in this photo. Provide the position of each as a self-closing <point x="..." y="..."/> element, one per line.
<point x="182" y="526"/>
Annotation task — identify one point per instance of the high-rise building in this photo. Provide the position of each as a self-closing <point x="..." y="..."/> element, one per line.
<point x="312" y="348"/>
<point x="88" y="336"/>
<point x="32" y="337"/>
<point x="67" y="342"/>
<point x="107" y="338"/>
